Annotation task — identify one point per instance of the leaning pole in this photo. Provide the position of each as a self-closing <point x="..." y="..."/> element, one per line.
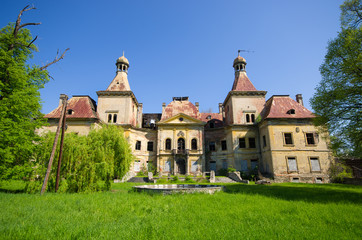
<point x="65" y="100"/>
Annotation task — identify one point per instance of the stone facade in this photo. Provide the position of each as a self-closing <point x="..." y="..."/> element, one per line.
<point x="276" y="136"/>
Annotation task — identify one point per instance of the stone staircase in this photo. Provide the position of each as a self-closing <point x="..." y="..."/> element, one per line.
<point x="224" y="180"/>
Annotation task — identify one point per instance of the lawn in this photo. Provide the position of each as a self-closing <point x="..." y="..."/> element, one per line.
<point x="278" y="211"/>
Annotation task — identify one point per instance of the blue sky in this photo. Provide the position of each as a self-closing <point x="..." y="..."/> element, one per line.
<point x="180" y="48"/>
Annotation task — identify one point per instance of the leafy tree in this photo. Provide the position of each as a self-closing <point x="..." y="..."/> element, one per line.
<point x="87" y="161"/>
<point x="20" y="104"/>
<point x="338" y="98"/>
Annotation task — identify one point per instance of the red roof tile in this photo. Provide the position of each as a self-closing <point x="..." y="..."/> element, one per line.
<point x="242" y="83"/>
<point x="204" y="116"/>
<point x="82" y="106"/>
<point x="175" y="107"/>
<point x="280" y="106"/>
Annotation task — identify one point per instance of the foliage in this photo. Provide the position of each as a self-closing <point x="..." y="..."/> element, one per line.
<point x="174" y="179"/>
<point x="231" y="169"/>
<point x="19" y="102"/>
<point x="338" y="171"/>
<point x="222" y="172"/>
<point x="189" y="179"/>
<point x="277" y="211"/>
<point x="87" y="160"/>
<point x="338" y="98"/>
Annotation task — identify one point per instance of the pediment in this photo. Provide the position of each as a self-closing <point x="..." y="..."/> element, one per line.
<point x="181" y="119"/>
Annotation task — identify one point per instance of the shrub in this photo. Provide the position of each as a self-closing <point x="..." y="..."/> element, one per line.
<point x="222" y="172"/>
<point x="338" y="171"/>
<point x="231" y="169"/>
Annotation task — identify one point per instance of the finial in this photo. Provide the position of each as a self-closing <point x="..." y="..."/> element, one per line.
<point x="239" y="53"/>
<point x="123" y="54"/>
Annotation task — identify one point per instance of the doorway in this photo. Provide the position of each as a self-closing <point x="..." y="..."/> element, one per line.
<point x="181" y="166"/>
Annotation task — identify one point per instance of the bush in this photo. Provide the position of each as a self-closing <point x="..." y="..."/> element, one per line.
<point x="222" y="172"/>
<point x="87" y="160"/>
<point x="231" y="169"/>
<point x="338" y="171"/>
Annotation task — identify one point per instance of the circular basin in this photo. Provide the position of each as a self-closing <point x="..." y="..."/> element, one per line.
<point x="178" y="188"/>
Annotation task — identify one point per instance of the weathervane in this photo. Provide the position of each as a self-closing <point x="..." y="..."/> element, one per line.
<point x="243" y="51"/>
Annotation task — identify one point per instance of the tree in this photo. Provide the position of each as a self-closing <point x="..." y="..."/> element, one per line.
<point x="20" y="104"/>
<point x="338" y="98"/>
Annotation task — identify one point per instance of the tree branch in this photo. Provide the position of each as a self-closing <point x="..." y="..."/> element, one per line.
<point x="32" y="41"/>
<point x="55" y="60"/>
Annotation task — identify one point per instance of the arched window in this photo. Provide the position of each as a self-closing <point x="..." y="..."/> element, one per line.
<point x="181" y="144"/>
<point x="252" y="117"/>
<point x="115" y="118"/>
<point x="194" y="144"/>
<point x="168" y="144"/>
<point x="212" y="125"/>
<point x="247" y="118"/>
<point x="109" y="118"/>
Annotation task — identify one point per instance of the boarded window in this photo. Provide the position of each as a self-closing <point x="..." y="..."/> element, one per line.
<point x="168" y="144"/>
<point x="213" y="166"/>
<point x="242" y="143"/>
<point x="311" y="138"/>
<point x="288" y="139"/>
<point x="314" y="164"/>
<point x="194" y="144"/>
<point x="292" y="164"/>
<point x="137" y="165"/>
<point x="167" y="167"/>
<point x="193" y="166"/>
<point x="252" y="143"/>
<point x="223" y="145"/>
<point x="254" y="163"/>
<point x="138" y="145"/>
<point x="244" y="165"/>
<point x="212" y="146"/>
<point x="150" y="146"/>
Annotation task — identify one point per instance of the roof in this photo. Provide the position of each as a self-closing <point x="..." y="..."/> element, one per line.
<point x="81" y="106"/>
<point x="178" y="106"/>
<point x="119" y="83"/>
<point x="279" y="106"/>
<point x="215" y="118"/>
<point x="242" y="82"/>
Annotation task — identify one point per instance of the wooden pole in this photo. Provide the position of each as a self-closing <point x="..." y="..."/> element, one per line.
<point x="64" y="98"/>
<point x="60" y="152"/>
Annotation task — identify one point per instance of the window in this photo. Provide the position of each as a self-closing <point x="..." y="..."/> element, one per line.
<point x="168" y="144"/>
<point x="138" y="145"/>
<point x="137" y="165"/>
<point x="181" y="144"/>
<point x="115" y="118"/>
<point x="252" y="143"/>
<point x="244" y="165"/>
<point x="292" y="164"/>
<point x="212" y="125"/>
<point x="247" y="118"/>
<point x="242" y="143"/>
<point x="194" y="166"/>
<point x="109" y="118"/>
<point x="264" y="141"/>
<point x="212" y="146"/>
<point x="224" y="164"/>
<point x="150" y="146"/>
<point x="223" y="145"/>
<point x="252" y="117"/>
<point x="314" y="164"/>
<point x="291" y="111"/>
<point x="70" y="111"/>
<point x="167" y="166"/>
<point x="254" y="163"/>
<point x="288" y="138"/>
<point x="194" y="144"/>
<point x="311" y="138"/>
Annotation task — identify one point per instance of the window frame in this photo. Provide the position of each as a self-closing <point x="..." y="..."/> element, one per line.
<point x="310" y="164"/>
<point x="296" y="164"/>
<point x="212" y="149"/>
<point x="194" y="144"/>
<point x="150" y="146"/>
<point x="244" y="144"/>
<point x="138" y="145"/>
<point x="291" y="138"/>
<point x="314" y="137"/>
<point x="224" y="146"/>
<point x="168" y="144"/>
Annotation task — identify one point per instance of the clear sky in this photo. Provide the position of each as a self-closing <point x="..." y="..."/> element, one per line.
<point x="180" y="48"/>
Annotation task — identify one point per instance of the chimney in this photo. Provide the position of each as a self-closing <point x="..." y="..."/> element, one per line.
<point x="197" y="105"/>
<point x="163" y="106"/>
<point x="299" y="99"/>
<point x="220" y="107"/>
<point x="61" y="98"/>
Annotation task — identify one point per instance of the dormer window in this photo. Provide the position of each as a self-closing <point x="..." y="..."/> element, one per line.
<point x="208" y="117"/>
<point x="212" y="125"/>
<point x="291" y="111"/>
<point x="70" y="111"/>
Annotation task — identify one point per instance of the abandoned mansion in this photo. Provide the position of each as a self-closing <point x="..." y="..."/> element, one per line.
<point x="276" y="136"/>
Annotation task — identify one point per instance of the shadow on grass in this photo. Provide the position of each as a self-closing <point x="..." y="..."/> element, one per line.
<point x="302" y="192"/>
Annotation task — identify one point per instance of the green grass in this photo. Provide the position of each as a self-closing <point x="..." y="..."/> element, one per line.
<point x="278" y="211"/>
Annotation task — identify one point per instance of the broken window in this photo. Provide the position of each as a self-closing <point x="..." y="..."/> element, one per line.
<point x="252" y="143"/>
<point x="194" y="144"/>
<point x="115" y="118"/>
<point x="223" y="145"/>
<point x="292" y="164"/>
<point x="212" y="146"/>
<point x="168" y="144"/>
<point x="109" y="118"/>
<point x="150" y="146"/>
<point x="311" y="138"/>
<point x="288" y="138"/>
<point x="291" y="111"/>
<point x="70" y="111"/>
<point x="138" y="145"/>
<point x="252" y="117"/>
<point x="314" y="164"/>
<point x="242" y="143"/>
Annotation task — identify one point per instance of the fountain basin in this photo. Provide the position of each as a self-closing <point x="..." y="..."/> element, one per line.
<point x="167" y="189"/>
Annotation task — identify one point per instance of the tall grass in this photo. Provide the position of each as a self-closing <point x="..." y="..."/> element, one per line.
<point x="279" y="211"/>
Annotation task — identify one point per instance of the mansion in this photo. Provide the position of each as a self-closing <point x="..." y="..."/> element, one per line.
<point x="276" y="135"/>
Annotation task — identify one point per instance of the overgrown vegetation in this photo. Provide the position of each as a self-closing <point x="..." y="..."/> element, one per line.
<point x="87" y="162"/>
<point x="277" y="211"/>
